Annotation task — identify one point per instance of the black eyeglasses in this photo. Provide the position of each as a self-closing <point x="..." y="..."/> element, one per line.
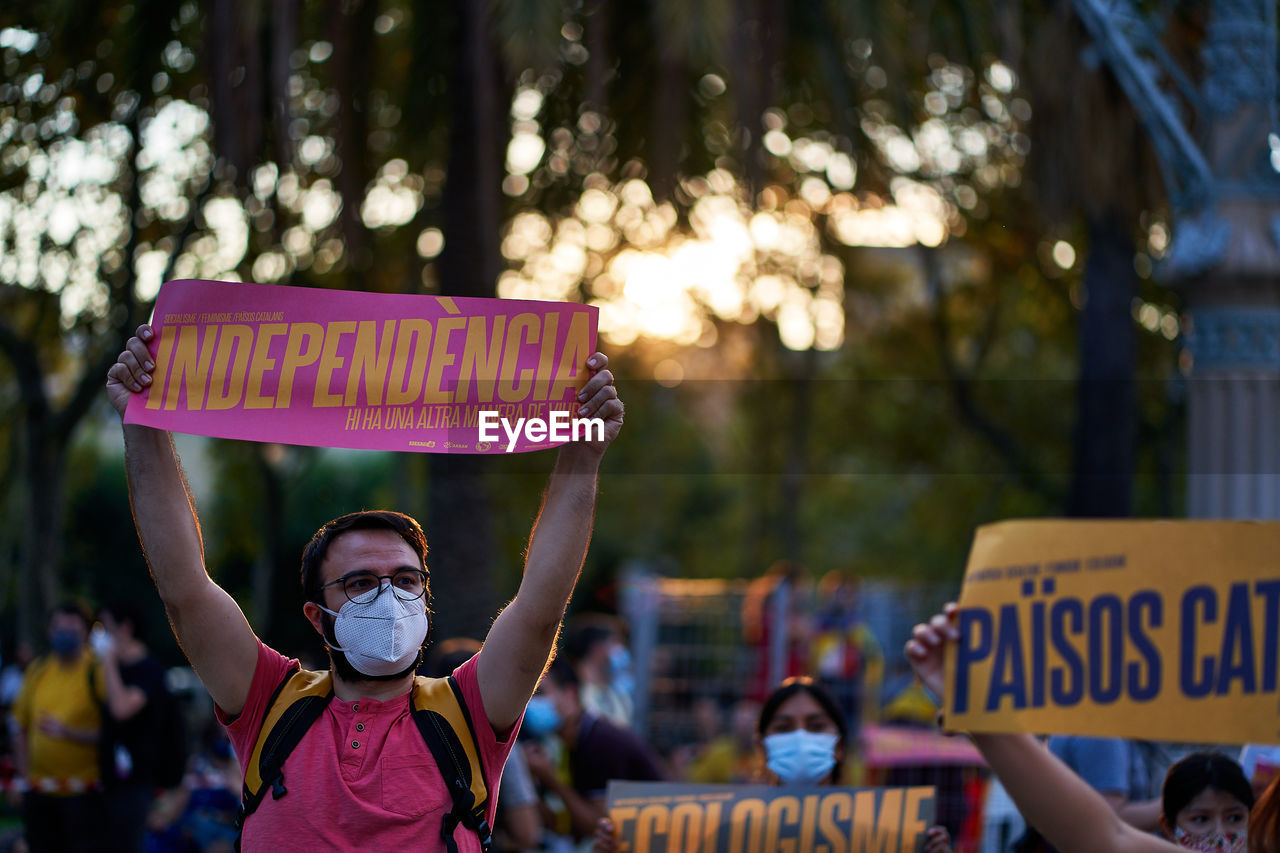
<point x="407" y="584"/>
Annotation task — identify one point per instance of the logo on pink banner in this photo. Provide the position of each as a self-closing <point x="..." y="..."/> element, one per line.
<point x="336" y="368"/>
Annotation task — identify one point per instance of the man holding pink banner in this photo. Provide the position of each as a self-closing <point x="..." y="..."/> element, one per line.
<point x="361" y="776"/>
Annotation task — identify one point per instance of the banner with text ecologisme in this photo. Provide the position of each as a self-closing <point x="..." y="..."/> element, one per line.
<point x="661" y="817"/>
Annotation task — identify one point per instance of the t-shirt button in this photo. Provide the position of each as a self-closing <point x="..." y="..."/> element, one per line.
<point x="355" y="744"/>
<point x="356" y="706"/>
<point x="359" y="727"/>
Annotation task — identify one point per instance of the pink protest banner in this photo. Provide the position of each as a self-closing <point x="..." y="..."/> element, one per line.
<point x="900" y="746"/>
<point x="334" y="368"/>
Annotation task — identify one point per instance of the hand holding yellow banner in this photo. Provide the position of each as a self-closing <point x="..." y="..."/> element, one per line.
<point x="1164" y="630"/>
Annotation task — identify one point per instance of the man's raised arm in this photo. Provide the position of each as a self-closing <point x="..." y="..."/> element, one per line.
<point x="515" y="652"/>
<point x="208" y="623"/>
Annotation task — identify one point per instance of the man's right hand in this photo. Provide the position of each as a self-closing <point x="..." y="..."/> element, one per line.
<point x="132" y="371"/>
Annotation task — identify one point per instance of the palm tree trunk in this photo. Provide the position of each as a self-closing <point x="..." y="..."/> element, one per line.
<point x="460" y="514"/>
<point x="747" y="59"/>
<point x="596" y="16"/>
<point x="670" y="110"/>
<point x="284" y="38"/>
<point x="352" y="34"/>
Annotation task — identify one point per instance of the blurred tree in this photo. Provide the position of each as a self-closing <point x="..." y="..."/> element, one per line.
<point x="79" y="92"/>
<point x="1094" y="165"/>
<point x="802" y="128"/>
<point x="715" y="176"/>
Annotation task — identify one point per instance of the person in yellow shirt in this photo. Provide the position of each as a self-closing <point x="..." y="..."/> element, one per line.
<point x="57" y="715"/>
<point x="730" y="758"/>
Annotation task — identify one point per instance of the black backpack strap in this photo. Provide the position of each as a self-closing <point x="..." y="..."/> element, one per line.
<point x="288" y="718"/>
<point x="443" y="724"/>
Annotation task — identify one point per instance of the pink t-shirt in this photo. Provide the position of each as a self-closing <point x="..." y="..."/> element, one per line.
<point x="362" y="777"/>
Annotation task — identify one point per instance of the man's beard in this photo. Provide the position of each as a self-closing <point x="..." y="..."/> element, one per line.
<point x="343" y="667"/>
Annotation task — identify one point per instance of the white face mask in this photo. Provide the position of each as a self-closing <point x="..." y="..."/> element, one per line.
<point x="800" y="757"/>
<point x="378" y="632"/>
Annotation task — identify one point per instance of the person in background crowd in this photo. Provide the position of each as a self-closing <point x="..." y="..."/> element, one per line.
<point x="1205" y="802"/>
<point x="910" y="706"/>
<point x="10" y="684"/>
<point x="845" y="656"/>
<point x="1261" y="764"/>
<point x="199" y="816"/>
<point x="595" y="749"/>
<point x="11" y="675"/>
<point x="134" y="684"/>
<point x="723" y="759"/>
<point x="603" y="665"/>
<point x="800" y="734"/>
<point x="56" y="743"/>
<point x="772" y="604"/>
<point x="517" y="825"/>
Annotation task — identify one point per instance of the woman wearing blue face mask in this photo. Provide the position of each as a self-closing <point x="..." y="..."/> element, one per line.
<point x="802" y="733"/>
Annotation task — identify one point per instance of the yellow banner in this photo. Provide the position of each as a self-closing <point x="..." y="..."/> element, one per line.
<point x="1164" y="630"/>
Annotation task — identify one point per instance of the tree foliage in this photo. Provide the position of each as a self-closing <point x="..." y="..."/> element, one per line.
<point x="837" y="246"/>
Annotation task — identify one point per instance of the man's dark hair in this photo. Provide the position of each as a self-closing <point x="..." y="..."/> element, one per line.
<point x="72" y="607"/>
<point x="397" y="522"/>
<point x="1201" y="771"/>
<point x="123" y="610"/>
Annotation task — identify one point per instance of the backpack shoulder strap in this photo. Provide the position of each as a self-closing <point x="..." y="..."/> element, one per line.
<point x="445" y="725"/>
<point x="298" y="701"/>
